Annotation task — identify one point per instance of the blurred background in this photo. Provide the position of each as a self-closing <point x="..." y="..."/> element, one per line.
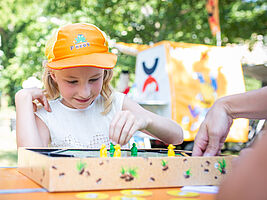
<point x="25" y="26"/>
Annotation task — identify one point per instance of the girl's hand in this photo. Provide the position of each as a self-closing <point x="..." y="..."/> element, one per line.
<point x="36" y="95"/>
<point x="124" y="125"/>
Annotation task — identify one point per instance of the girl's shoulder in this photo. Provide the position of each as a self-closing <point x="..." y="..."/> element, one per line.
<point x="118" y="95"/>
<point x="52" y="103"/>
<point x="117" y="100"/>
<point x="55" y="104"/>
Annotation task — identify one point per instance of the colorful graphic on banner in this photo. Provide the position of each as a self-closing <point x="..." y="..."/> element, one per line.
<point x="184" y="80"/>
<point x="149" y="71"/>
<point x="151" y="76"/>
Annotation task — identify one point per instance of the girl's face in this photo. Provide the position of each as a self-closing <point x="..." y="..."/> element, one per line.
<point x="78" y="86"/>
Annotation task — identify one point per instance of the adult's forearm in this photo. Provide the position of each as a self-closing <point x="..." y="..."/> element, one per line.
<point x="251" y="105"/>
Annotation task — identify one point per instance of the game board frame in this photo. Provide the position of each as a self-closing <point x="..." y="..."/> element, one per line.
<point x="64" y="173"/>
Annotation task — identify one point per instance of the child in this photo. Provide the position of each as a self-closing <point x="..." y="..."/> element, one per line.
<point x="83" y="112"/>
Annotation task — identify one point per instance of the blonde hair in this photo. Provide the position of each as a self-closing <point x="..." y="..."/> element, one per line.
<point x="106" y="92"/>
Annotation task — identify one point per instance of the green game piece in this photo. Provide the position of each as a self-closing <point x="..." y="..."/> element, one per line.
<point x="134" y="150"/>
<point x="111" y="150"/>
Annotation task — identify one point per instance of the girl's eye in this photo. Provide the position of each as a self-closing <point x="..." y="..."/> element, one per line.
<point x="93" y="80"/>
<point x="72" y="82"/>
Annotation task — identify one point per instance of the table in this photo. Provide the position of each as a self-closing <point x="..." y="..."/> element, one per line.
<point x="13" y="181"/>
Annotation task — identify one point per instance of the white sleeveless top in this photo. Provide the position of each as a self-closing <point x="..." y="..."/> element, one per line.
<point x="80" y="128"/>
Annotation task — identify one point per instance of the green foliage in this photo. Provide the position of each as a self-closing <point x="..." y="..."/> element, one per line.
<point x="25" y="26"/>
<point x="188" y="172"/>
<point x="222" y="165"/>
<point x="123" y="170"/>
<point x="133" y="172"/>
<point x="80" y="166"/>
<point x="251" y="83"/>
<point x="164" y="163"/>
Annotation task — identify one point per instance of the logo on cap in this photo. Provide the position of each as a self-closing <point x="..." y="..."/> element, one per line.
<point x="80" y="42"/>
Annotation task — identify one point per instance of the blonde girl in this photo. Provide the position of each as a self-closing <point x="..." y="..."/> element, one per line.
<point x="80" y="109"/>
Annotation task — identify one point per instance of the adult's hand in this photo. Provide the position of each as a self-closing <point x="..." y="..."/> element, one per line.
<point x="213" y="131"/>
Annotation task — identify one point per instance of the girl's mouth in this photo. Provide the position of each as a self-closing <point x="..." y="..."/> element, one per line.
<point x="82" y="100"/>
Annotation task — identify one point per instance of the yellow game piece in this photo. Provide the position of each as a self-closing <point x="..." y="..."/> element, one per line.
<point x="171" y="152"/>
<point x="117" y="152"/>
<point x="103" y="151"/>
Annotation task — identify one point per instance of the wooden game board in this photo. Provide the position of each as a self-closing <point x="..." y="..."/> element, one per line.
<point x="83" y="169"/>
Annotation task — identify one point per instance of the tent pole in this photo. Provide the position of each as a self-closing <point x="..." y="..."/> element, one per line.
<point x="218" y="39"/>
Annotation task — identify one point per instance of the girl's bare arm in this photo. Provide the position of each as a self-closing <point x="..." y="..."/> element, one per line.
<point x="133" y="117"/>
<point x="30" y="130"/>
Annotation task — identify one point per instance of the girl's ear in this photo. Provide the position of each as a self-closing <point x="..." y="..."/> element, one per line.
<point x="52" y="74"/>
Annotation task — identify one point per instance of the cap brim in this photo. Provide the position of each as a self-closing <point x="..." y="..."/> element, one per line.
<point x="99" y="60"/>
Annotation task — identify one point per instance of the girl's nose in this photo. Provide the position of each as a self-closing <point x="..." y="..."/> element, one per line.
<point x="84" y="91"/>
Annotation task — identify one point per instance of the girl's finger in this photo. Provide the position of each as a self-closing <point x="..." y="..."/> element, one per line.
<point x="126" y="129"/>
<point x="34" y="106"/>
<point x="46" y="104"/>
<point x="43" y="100"/>
<point x="133" y="129"/>
<point x="113" y="125"/>
<point x="38" y="101"/>
<point x="119" y="127"/>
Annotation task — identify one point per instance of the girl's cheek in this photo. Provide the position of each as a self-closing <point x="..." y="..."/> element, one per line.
<point x="66" y="89"/>
<point x="96" y="88"/>
<point x="99" y="84"/>
<point x="99" y="87"/>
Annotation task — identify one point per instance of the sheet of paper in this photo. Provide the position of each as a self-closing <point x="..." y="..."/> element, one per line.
<point x="201" y="189"/>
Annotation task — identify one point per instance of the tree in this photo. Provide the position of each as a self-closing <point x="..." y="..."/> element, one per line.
<point x="25" y="26"/>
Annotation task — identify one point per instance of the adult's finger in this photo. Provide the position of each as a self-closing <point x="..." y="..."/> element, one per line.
<point x="213" y="146"/>
<point x="201" y="141"/>
<point x="197" y="150"/>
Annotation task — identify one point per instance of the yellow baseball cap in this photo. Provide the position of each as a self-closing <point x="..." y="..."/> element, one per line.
<point x="78" y="45"/>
